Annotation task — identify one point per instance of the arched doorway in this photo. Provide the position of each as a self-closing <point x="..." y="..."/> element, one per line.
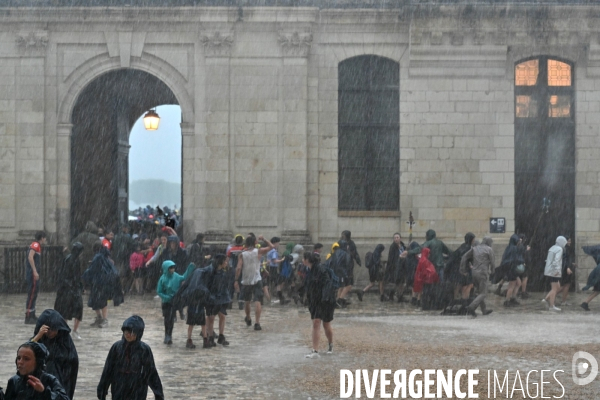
<point x="102" y="118"/>
<point x="544" y="155"/>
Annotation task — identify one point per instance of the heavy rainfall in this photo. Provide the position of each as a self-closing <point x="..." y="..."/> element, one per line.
<point x="293" y="199"/>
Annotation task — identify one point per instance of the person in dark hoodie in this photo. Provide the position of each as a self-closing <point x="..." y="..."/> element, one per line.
<point x="129" y="368"/>
<point x="220" y="296"/>
<point x="412" y="260"/>
<point x="354" y="257"/>
<point x="373" y="264"/>
<point x="452" y="270"/>
<point x="437" y="251"/>
<point x="69" y="301"/>
<point x="593" y="280"/>
<point x="179" y="256"/>
<point x="63" y="362"/>
<point x="87" y="238"/>
<point x="31" y="381"/>
<point x="395" y="271"/>
<point x="105" y="284"/>
<point x="341" y="263"/>
<point x="511" y="259"/>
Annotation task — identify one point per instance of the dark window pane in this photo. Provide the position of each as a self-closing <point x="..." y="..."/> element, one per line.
<point x="368" y="112"/>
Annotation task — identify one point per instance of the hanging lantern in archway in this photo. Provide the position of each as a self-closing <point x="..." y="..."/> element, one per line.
<point x="151" y="120"/>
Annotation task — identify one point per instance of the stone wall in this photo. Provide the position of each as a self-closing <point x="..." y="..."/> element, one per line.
<point x="258" y="89"/>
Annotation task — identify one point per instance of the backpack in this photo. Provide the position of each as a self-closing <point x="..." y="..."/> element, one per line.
<point x="286" y="267"/>
<point x="330" y="290"/>
<point x="369" y="260"/>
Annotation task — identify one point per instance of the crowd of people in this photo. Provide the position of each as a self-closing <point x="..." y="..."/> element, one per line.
<point x="207" y="281"/>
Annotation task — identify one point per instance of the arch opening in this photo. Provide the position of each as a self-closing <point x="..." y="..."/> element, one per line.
<point x="102" y="118"/>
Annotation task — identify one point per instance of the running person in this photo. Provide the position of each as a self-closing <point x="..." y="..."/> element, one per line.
<point x="248" y="267"/>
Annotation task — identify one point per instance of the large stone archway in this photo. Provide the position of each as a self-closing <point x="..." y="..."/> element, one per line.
<point x="96" y="114"/>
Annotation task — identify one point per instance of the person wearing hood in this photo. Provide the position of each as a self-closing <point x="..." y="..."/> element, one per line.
<point x="220" y="298"/>
<point x="553" y="271"/>
<point x="341" y="263"/>
<point x="334" y="247"/>
<point x="32" y="382"/>
<point x="52" y="331"/>
<point x="354" y="257"/>
<point x="105" y="284"/>
<point x="373" y="264"/>
<point x="175" y="253"/>
<point x="426" y="273"/>
<point x="593" y="280"/>
<point x="395" y="271"/>
<point x="452" y="270"/>
<point x="512" y="259"/>
<point x="299" y="273"/>
<point x="69" y="301"/>
<point x="129" y="368"/>
<point x="480" y="260"/>
<point x="168" y="285"/>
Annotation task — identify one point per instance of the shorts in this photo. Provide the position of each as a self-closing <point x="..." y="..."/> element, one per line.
<point x="597" y="287"/>
<point x="465" y="280"/>
<point x="567" y="279"/>
<point x="553" y="279"/>
<point x="375" y="275"/>
<point x="253" y="292"/>
<point x="282" y="280"/>
<point x="347" y="281"/>
<point x="214" y="309"/>
<point x="196" y="316"/>
<point x="512" y="275"/>
<point x="321" y="311"/>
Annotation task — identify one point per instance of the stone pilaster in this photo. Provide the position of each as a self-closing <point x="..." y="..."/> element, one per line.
<point x="63" y="192"/>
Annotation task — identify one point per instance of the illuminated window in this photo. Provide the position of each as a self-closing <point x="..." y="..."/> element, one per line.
<point x="559" y="73"/>
<point x="526" y="73"/>
<point x="526" y="107"/>
<point x="559" y="106"/>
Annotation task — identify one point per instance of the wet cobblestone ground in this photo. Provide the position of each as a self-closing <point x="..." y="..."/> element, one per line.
<point x="270" y="364"/>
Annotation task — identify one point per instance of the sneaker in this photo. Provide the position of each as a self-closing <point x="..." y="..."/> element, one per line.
<point x="313" y="354"/>
<point x="330" y="349"/>
<point x="514" y="302"/>
<point x="221" y="340"/>
<point x="248" y="321"/>
<point x="567" y="304"/>
<point x="169" y="340"/>
<point x="189" y="344"/>
<point x="585" y="306"/>
<point x="206" y="343"/>
<point x="524" y="295"/>
<point x="211" y="341"/>
<point x="554" y="308"/>
<point x="157" y="297"/>
<point x="75" y="335"/>
<point x="103" y="323"/>
<point x="337" y="304"/>
<point x="96" y="323"/>
<point x="257" y="327"/>
<point x="240" y="305"/>
<point x="545" y="304"/>
<point x="488" y="312"/>
<point x="507" y="304"/>
<point x="359" y="294"/>
<point x="165" y="340"/>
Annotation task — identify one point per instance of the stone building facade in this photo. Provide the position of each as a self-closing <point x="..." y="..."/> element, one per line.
<point x="476" y="115"/>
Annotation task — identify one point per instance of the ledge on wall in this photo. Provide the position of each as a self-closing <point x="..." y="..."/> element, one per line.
<point x="369" y="213"/>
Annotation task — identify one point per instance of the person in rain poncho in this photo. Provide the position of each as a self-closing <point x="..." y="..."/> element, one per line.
<point x="168" y="285"/>
<point x="129" y="368"/>
<point x="105" y="284"/>
<point x="32" y="382"/>
<point x="426" y="273"/>
<point x="373" y="264"/>
<point x="348" y="282"/>
<point x="69" y="288"/>
<point x="63" y="362"/>
<point x="553" y="271"/>
<point x="482" y="263"/>
<point x="340" y="263"/>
